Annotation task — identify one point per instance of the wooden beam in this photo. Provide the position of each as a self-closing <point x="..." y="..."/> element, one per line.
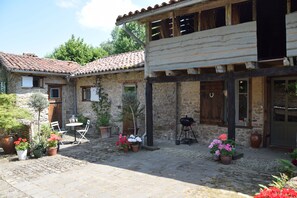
<point x="231" y="105"/>
<point x="254" y="10"/>
<point x="289" y="6"/>
<point x="171" y="73"/>
<point x="228" y="13"/>
<point x="220" y="68"/>
<point x="251" y="65"/>
<point x="193" y="71"/>
<point x="273" y="71"/>
<point x="149" y="113"/>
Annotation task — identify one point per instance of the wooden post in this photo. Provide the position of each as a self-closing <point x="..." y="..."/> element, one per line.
<point x="149" y="113"/>
<point x="231" y="105"/>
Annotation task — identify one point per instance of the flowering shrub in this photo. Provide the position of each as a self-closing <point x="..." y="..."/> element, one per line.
<point x="134" y="139"/>
<point x="21" y="144"/>
<point x="122" y="143"/>
<point x="222" y="146"/>
<point x="53" y="140"/>
<point x="275" y="192"/>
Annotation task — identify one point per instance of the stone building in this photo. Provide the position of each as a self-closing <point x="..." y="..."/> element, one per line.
<point x="71" y="88"/>
<point x="231" y="65"/>
<point x="26" y="74"/>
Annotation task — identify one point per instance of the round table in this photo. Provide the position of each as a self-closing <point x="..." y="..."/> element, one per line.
<point x="73" y="125"/>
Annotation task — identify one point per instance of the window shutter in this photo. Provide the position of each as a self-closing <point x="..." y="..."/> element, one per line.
<point x="27" y="81"/>
<point x="94" y="94"/>
<point x="212" y="102"/>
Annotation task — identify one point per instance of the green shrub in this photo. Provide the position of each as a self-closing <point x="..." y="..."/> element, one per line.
<point x="10" y="114"/>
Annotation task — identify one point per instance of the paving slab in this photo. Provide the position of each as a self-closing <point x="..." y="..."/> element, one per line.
<point x="98" y="169"/>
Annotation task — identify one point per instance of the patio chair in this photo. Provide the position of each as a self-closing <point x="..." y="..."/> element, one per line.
<point x="83" y="132"/>
<point x="56" y="127"/>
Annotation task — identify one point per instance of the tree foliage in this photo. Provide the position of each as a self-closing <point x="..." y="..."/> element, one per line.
<point x="75" y="49"/>
<point x="10" y="114"/>
<point x="122" y="42"/>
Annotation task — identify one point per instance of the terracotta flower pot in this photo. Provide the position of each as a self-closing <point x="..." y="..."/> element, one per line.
<point x="52" y="151"/>
<point x="125" y="149"/>
<point x="105" y="132"/>
<point x="256" y="140"/>
<point x="226" y="159"/>
<point x="135" y="147"/>
<point x="7" y="144"/>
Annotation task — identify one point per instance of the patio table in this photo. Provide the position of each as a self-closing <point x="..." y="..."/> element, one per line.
<point x="73" y="125"/>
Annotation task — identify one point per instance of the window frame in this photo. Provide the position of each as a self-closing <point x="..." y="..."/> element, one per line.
<point x="59" y="93"/>
<point x="91" y="99"/>
<point x="238" y="122"/>
<point x="28" y="81"/>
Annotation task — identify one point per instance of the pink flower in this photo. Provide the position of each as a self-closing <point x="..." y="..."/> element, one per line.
<point x="218" y="153"/>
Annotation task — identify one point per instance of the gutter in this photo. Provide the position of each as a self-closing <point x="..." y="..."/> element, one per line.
<point x="156" y="11"/>
<point x="106" y="72"/>
<point x="37" y="72"/>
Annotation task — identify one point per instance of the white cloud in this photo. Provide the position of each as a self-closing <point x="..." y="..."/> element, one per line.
<point x="67" y="3"/>
<point x="102" y="14"/>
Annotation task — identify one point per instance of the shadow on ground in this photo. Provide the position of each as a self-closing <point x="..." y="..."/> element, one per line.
<point x="191" y="164"/>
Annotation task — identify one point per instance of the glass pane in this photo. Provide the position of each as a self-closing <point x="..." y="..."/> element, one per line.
<point x="279" y="100"/>
<point x="36" y="82"/>
<point x="131" y="89"/>
<point x="55" y="93"/>
<point x="292" y="101"/>
<point x="87" y="94"/>
<point x="243" y="109"/>
<point x="243" y="86"/>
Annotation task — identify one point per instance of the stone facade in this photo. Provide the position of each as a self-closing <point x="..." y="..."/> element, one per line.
<point x="23" y="94"/>
<point x="171" y="101"/>
<point x="113" y="85"/>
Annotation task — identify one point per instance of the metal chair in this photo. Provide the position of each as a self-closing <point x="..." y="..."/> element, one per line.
<point x="56" y="127"/>
<point x="83" y="132"/>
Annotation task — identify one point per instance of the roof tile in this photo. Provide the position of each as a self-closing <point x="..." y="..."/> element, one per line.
<point x="30" y="62"/>
<point x="128" y="60"/>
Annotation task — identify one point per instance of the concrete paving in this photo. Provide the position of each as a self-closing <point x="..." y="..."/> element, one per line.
<point x="98" y="169"/>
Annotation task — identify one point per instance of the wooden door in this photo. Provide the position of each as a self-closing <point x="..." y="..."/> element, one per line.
<point x="284" y="112"/>
<point x="55" y="103"/>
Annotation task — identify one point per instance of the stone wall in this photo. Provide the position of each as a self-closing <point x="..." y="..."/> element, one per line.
<point x="113" y="85"/>
<point x="166" y="115"/>
<point x="23" y="95"/>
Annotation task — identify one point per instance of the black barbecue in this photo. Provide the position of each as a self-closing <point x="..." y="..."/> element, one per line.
<point x="186" y="123"/>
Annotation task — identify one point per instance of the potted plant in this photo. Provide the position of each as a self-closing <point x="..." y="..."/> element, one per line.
<point x="52" y="144"/>
<point x="21" y="146"/>
<point x="135" y="142"/>
<point x="102" y="110"/>
<point x="132" y="110"/>
<point x="10" y="115"/>
<point x="123" y="143"/>
<point x="223" y="149"/>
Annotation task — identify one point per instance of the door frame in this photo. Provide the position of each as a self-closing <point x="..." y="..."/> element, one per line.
<point x="55" y="101"/>
<point x="270" y="101"/>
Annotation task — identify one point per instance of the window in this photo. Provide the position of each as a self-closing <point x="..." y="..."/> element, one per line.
<point x="242" y="102"/>
<point x="242" y="12"/>
<point x="90" y="94"/>
<point x="32" y="81"/>
<point x="54" y="93"/>
<point x="213" y="18"/>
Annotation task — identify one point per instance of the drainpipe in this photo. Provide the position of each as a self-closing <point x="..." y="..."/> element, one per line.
<point x="74" y="98"/>
<point x="133" y="35"/>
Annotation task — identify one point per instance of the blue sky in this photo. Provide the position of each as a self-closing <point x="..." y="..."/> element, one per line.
<point x="40" y="26"/>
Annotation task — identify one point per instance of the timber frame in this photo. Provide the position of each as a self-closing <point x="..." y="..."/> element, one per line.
<point x="183" y="45"/>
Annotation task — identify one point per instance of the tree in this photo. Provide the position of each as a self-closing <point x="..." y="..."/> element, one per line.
<point x="75" y="49"/>
<point x="122" y="42"/>
<point x="38" y="102"/>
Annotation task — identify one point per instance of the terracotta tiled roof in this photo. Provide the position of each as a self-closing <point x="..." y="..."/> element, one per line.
<point x="30" y="62"/>
<point x="150" y="8"/>
<point x="124" y="61"/>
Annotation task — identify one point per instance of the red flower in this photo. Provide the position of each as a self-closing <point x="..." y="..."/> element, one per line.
<point x="275" y="192"/>
<point x="294" y="161"/>
<point x="24" y="140"/>
<point x="17" y="142"/>
<point x="223" y="137"/>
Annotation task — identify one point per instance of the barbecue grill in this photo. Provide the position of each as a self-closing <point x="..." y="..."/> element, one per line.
<point x="186" y="123"/>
